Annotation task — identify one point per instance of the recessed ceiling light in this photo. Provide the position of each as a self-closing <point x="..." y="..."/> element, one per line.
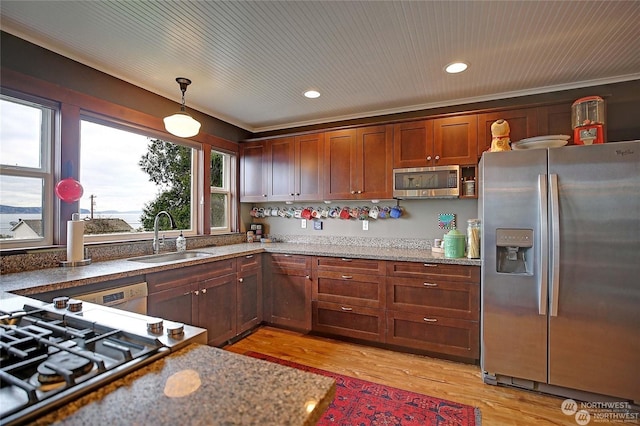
<point x="312" y="94"/>
<point x="456" y="67"/>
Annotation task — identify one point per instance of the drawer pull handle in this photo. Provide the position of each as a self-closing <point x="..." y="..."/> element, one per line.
<point x="286" y="255"/>
<point x="249" y="256"/>
<point x="430" y="265"/>
<point x="187" y="293"/>
<point x="347" y="277"/>
<point x="430" y="319"/>
<point x="346" y="309"/>
<point x="344" y="259"/>
<point x="430" y="284"/>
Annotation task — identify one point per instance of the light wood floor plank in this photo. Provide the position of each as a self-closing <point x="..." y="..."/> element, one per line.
<point x="439" y="378"/>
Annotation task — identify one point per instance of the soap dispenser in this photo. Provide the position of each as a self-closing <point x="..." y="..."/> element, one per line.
<point x="181" y="243"/>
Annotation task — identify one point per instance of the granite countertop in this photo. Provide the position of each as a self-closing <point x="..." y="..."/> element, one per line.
<point x="44" y="280"/>
<point x="202" y="385"/>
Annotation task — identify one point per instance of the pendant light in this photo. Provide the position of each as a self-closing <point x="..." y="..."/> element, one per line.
<point x="182" y="124"/>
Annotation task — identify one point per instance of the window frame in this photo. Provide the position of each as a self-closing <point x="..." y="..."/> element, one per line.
<point x="229" y="160"/>
<point x="49" y="139"/>
<point x="150" y="133"/>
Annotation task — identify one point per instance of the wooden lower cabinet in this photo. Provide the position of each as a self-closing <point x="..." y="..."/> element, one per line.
<point x="212" y="296"/>
<point x="288" y="302"/>
<point x="451" y="336"/>
<point x="348" y="320"/>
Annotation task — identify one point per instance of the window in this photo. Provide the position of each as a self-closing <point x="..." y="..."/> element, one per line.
<point x="128" y="177"/>
<point x="26" y="181"/>
<point x="221" y="165"/>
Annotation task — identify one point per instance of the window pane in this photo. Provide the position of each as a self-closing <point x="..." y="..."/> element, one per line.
<point x="128" y="178"/>
<point x="22" y="202"/>
<point x="219" y="210"/>
<point x="217" y="169"/>
<point x="20" y="130"/>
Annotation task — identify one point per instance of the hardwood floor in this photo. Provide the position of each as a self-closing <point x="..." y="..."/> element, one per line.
<point x="443" y="379"/>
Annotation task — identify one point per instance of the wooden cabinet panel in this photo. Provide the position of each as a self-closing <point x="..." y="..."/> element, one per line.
<point x="374" y="163"/>
<point x="280" y="166"/>
<point x="453" y="336"/>
<point x="455" y="140"/>
<point x="555" y="120"/>
<point x="451" y="299"/>
<point x="309" y="167"/>
<point x="253" y="172"/>
<point x="340" y="154"/>
<point x="249" y="293"/>
<point x="523" y="123"/>
<point x="349" y="321"/>
<point x="350" y="288"/>
<point x="173" y="304"/>
<point x="249" y="262"/>
<point x="412" y="143"/>
<point x="445" y="271"/>
<point x="216" y="308"/>
<point x="346" y="264"/>
<point x="288" y="298"/>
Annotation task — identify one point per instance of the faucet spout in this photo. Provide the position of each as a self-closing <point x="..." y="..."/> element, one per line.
<point x="156" y="242"/>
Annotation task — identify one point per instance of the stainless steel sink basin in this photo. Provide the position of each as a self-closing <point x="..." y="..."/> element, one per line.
<point x="169" y="257"/>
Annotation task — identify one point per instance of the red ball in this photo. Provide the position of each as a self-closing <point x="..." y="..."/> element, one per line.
<point x="69" y="190"/>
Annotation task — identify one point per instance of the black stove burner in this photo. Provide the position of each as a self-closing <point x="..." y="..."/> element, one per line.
<point x="63" y="366"/>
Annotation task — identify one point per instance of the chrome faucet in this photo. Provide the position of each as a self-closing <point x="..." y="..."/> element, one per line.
<point x="156" y="242"/>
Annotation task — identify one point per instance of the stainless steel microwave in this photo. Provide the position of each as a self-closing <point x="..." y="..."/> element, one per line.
<point x="427" y="182"/>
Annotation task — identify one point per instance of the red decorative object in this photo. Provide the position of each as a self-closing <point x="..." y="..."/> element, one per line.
<point x="358" y="402"/>
<point x="69" y="190"/>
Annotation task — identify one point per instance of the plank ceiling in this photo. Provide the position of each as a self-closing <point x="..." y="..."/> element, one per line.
<point x="250" y="61"/>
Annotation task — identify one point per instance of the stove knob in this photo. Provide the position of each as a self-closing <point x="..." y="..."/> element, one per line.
<point x="60" y="302"/>
<point x="175" y="330"/>
<point x="154" y="325"/>
<point x="74" y="305"/>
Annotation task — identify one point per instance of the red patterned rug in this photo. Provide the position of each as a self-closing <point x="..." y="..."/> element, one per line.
<point x="361" y="403"/>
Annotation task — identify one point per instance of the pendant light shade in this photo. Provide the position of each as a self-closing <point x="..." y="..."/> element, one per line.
<point x="182" y="124"/>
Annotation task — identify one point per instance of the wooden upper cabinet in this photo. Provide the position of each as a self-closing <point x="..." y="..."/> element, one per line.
<point x="359" y="163"/>
<point x="308" y="167"/>
<point x="455" y="140"/>
<point x="412" y="144"/>
<point x="280" y="165"/>
<point x="253" y="172"/>
<point x="523" y="123"/>
<point x="555" y="120"/>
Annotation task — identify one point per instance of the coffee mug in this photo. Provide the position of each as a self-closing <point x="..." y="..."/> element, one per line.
<point x="374" y="212"/>
<point x="396" y="212"/>
<point x="344" y="213"/>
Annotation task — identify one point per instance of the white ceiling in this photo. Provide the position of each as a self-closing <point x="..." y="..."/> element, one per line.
<point x="251" y="61"/>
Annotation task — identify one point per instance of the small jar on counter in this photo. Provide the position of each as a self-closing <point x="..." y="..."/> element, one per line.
<point x="473" y="238"/>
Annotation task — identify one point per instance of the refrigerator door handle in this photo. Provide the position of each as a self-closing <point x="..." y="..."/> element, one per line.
<point x="555" y="244"/>
<point x="543" y="206"/>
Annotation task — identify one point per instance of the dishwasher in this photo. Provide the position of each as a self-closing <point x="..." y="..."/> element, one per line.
<point x="131" y="298"/>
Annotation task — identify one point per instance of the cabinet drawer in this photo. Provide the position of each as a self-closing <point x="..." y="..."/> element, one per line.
<point x="363" y="266"/>
<point x="450" y="299"/>
<point x="444" y="335"/>
<point x="435" y="271"/>
<point x="159" y="281"/>
<point x="349" y="321"/>
<point x="289" y="261"/>
<point x="249" y="262"/>
<point x="354" y="289"/>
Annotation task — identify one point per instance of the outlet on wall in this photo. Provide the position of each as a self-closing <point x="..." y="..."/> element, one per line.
<point x="303" y="224"/>
<point x="365" y="225"/>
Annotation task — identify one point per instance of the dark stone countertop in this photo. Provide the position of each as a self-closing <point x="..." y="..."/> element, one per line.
<point x="202" y="385"/>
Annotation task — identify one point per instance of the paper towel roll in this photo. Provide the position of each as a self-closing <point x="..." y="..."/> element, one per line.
<point x="75" y="240"/>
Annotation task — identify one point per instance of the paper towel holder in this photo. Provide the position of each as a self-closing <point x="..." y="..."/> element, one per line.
<point x="75" y="218"/>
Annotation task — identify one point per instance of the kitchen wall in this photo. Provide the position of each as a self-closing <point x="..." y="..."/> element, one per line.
<point x="416" y="228"/>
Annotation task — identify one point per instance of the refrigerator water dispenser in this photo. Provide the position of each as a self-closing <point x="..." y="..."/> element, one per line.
<point x="513" y="248"/>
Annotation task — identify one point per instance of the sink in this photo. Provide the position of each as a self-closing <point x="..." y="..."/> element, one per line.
<point x="169" y="257"/>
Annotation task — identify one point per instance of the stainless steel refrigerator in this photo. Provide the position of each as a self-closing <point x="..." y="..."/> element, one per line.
<point x="561" y="269"/>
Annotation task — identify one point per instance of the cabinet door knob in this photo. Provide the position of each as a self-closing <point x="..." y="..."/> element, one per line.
<point x="430" y="284"/>
<point x="437" y="157"/>
<point x="308" y="277"/>
<point x="346" y="309"/>
<point x="196" y="292"/>
<point x="264" y="195"/>
<point x="241" y="280"/>
<point x="204" y="290"/>
<point x="359" y="192"/>
<point x="429" y="158"/>
<point x="353" y="192"/>
<point x="347" y="277"/>
<point x="292" y="194"/>
<point x="430" y="319"/>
